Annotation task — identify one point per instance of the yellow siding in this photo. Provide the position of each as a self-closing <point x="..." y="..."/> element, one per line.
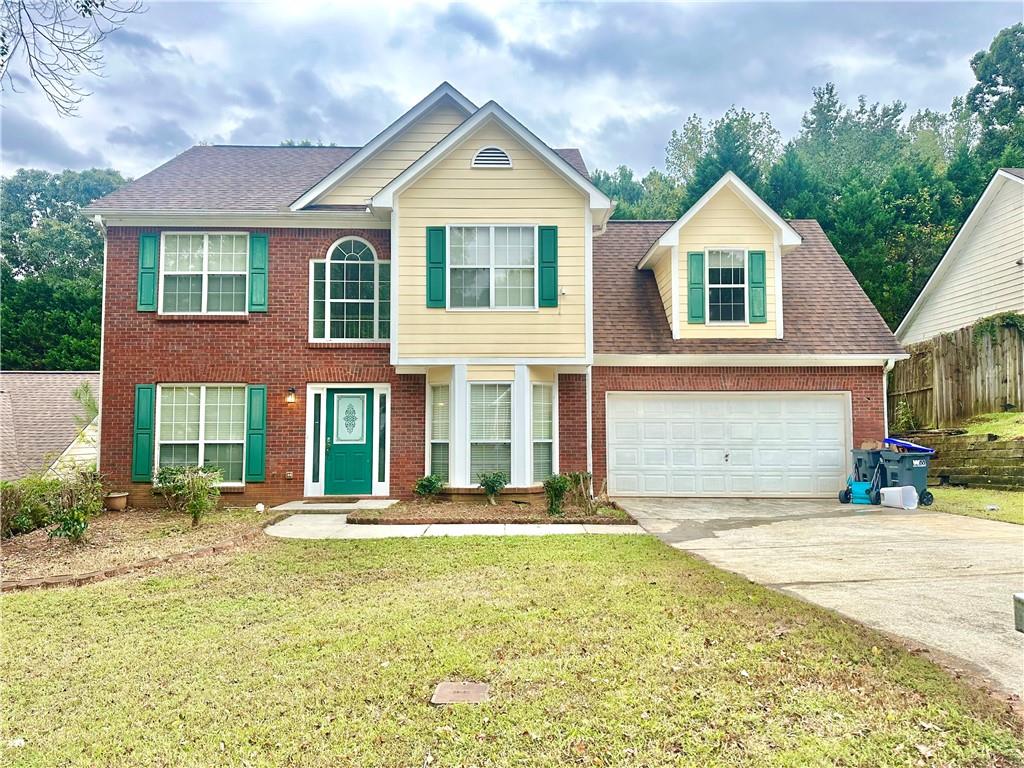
<point x="727" y="221"/>
<point x="542" y="374"/>
<point x="454" y="193"/>
<point x="439" y="375"/>
<point x="401" y="152"/>
<point x="663" y="274"/>
<point x="490" y="373"/>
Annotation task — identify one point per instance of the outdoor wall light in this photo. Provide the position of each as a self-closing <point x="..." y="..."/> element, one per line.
<point x="291" y="395"/>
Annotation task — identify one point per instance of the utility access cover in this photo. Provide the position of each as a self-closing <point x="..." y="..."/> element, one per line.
<point x="460" y="693"/>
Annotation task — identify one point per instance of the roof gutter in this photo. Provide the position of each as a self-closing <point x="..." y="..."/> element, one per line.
<point x="771" y="360"/>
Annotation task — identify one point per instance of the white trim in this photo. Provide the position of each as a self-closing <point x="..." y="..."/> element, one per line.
<point x="671" y="236"/>
<point x="789" y="393"/>
<point x="103" y="332"/>
<point x="326" y="261"/>
<point x="740" y="361"/>
<point x="377" y="488"/>
<point x="429" y="362"/>
<point x="491" y="267"/>
<point x="363" y="219"/>
<point x="707" y="283"/>
<point x="204" y="273"/>
<point x="885" y="395"/>
<point x="458" y="436"/>
<point x="994" y="186"/>
<point x="201" y="440"/>
<point x="491" y="111"/>
<point x="588" y="282"/>
<point x="395" y="303"/>
<point x="675" y="292"/>
<point x="521" y="463"/>
<point x="445" y="90"/>
<point x="590" y="426"/>
<point x="777" y="258"/>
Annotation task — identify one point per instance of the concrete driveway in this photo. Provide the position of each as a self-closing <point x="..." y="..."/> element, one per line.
<point x="944" y="581"/>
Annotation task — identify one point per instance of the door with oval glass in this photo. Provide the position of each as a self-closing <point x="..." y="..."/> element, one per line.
<point x="348" y="465"/>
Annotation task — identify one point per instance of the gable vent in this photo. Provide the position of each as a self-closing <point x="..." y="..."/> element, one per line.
<point x="492" y="157"/>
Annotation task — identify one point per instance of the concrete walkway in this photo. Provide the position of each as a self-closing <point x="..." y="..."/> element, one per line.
<point x="944" y="581"/>
<point x="334" y="526"/>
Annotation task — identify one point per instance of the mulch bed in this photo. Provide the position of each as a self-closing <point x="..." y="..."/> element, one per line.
<point x="121" y="542"/>
<point x="428" y="512"/>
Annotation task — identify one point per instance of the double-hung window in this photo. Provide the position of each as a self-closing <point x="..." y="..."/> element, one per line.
<point x="543" y="432"/>
<point x="204" y="273"/>
<point x="727" y="285"/>
<point x="440" y="430"/>
<point x="492" y="267"/>
<point x="351" y="294"/>
<point x="490" y="429"/>
<point x="202" y="425"/>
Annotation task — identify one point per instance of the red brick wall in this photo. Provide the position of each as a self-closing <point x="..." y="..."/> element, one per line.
<point x="572" y="422"/>
<point x="863" y="383"/>
<point x="270" y="348"/>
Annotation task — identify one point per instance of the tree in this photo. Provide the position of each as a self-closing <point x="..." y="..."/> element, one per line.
<point x="729" y="150"/>
<point x="790" y="188"/>
<point x="59" y="40"/>
<point x="998" y="96"/>
<point x="51" y="267"/>
<point x="656" y="196"/>
<point x="687" y="146"/>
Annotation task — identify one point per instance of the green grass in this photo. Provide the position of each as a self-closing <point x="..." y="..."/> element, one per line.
<point x="600" y="650"/>
<point x="1009" y="426"/>
<point x="973" y="502"/>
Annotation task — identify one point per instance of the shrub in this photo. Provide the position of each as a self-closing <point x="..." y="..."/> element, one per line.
<point x="903" y="417"/>
<point x="579" y="490"/>
<point x="555" y="488"/>
<point x="492" y="483"/>
<point x="78" y="497"/>
<point x="194" y="490"/>
<point x="428" y="487"/>
<point x="25" y="504"/>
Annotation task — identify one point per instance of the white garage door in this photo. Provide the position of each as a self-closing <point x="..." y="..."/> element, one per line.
<point x="727" y="444"/>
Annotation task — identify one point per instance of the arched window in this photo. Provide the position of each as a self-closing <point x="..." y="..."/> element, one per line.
<point x="351" y="297"/>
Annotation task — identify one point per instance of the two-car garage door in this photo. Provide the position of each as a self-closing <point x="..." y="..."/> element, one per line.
<point x="727" y="444"/>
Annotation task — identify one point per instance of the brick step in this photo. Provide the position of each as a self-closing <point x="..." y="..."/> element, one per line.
<point x="996" y="453"/>
<point x="984" y="469"/>
<point x="977" y="461"/>
<point x="987" y="481"/>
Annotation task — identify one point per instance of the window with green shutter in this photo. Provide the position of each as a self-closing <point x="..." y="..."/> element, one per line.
<point x="142" y="437"/>
<point x="547" y="292"/>
<point x="149" y="262"/>
<point x="436" y="267"/>
<point x="757" y="288"/>
<point x="259" y="268"/>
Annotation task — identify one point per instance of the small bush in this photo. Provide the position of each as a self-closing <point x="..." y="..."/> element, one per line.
<point x="492" y="483"/>
<point x="79" y="497"/>
<point x="579" y="491"/>
<point x="428" y="487"/>
<point x="555" y="488"/>
<point x="903" y="417"/>
<point x="25" y="504"/>
<point x="194" y="490"/>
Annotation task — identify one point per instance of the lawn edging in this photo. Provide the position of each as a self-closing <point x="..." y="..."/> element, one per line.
<point x="91" y="577"/>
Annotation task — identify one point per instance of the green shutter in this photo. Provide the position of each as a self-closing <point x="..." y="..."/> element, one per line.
<point x="256" y="434"/>
<point x="435" y="267"/>
<point x="547" y="238"/>
<point x="149" y="258"/>
<point x="758" y="297"/>
<point x="142" y="437"/>
<point x="258" y="262"/>
<point x="695" y="287"/>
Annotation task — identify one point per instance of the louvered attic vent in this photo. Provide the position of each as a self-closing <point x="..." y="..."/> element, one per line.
<point x="492" y="157"/>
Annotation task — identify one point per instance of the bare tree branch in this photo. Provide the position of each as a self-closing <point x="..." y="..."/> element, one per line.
<point x="58" y="41"/>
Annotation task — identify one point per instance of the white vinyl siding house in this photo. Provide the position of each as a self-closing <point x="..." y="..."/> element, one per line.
<point x="982" y="273"/>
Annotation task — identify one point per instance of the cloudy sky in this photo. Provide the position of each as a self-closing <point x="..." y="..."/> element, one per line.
<point x="612" y="79"/>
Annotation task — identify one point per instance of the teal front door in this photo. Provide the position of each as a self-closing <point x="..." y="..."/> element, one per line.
<point x="348" y="466"/>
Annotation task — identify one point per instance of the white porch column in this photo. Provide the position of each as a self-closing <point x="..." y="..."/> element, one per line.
<point x="521" y="428"/>
<point x="458" y="440"/>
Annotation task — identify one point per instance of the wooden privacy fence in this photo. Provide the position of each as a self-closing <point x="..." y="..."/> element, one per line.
<point x="953" y="377"/>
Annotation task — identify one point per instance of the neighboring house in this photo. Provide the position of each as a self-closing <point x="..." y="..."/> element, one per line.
<point x="982" y="272"/>
<point x="40" y="422"/>
<point x="453" y="299"/>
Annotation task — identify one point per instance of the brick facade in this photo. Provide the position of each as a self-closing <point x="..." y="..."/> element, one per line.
<point x="269" y="348"/>
<point x="572" y="422"/>
<point x="863" y="383"/>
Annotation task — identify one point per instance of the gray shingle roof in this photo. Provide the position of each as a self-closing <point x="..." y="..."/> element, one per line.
<point x="240" y="178"/>
<point x="38" y="418"/>
<point x="825" y="310"/>
<point x="1018" y="172"/>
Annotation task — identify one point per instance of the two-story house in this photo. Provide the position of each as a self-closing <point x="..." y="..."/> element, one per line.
<point x="452" y="298"/>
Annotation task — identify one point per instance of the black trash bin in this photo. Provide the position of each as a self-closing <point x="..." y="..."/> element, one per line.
<point x="907" y="467"/>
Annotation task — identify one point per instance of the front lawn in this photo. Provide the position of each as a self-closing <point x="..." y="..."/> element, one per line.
<point x="974" y="502"/>
<point x="600" y="650"/>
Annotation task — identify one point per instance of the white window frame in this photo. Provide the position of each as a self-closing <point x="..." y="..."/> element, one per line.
<point x="469" y="426"/>
<point x="490" y="267"/>
<point x="552" y="441"/>
<point x="326" y="261"/>
<point x="204" y="274"/>
<point x="202" y="426"/>
<point x="708" y="286"/>
<point x="428" y="469"/>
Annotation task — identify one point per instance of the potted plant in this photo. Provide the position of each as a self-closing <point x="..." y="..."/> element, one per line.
<point x="115" y="501"/>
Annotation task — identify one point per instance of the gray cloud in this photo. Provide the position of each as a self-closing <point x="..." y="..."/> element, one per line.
<point x="159" y="136"/>
<point x="464" y="19"/>
<point x="28" y="142"/>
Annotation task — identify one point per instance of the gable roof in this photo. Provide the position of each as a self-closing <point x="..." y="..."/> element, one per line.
<point x="38" y="418"/>
<point x="444" y="92"/>
<point x="493" y="111"/>
<point x="827" y="312"/>
<point x="671" y="236"/>
<point x="999" y="179"/>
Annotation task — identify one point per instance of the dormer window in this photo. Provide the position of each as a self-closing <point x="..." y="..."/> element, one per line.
<point x="492" y="157"/>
